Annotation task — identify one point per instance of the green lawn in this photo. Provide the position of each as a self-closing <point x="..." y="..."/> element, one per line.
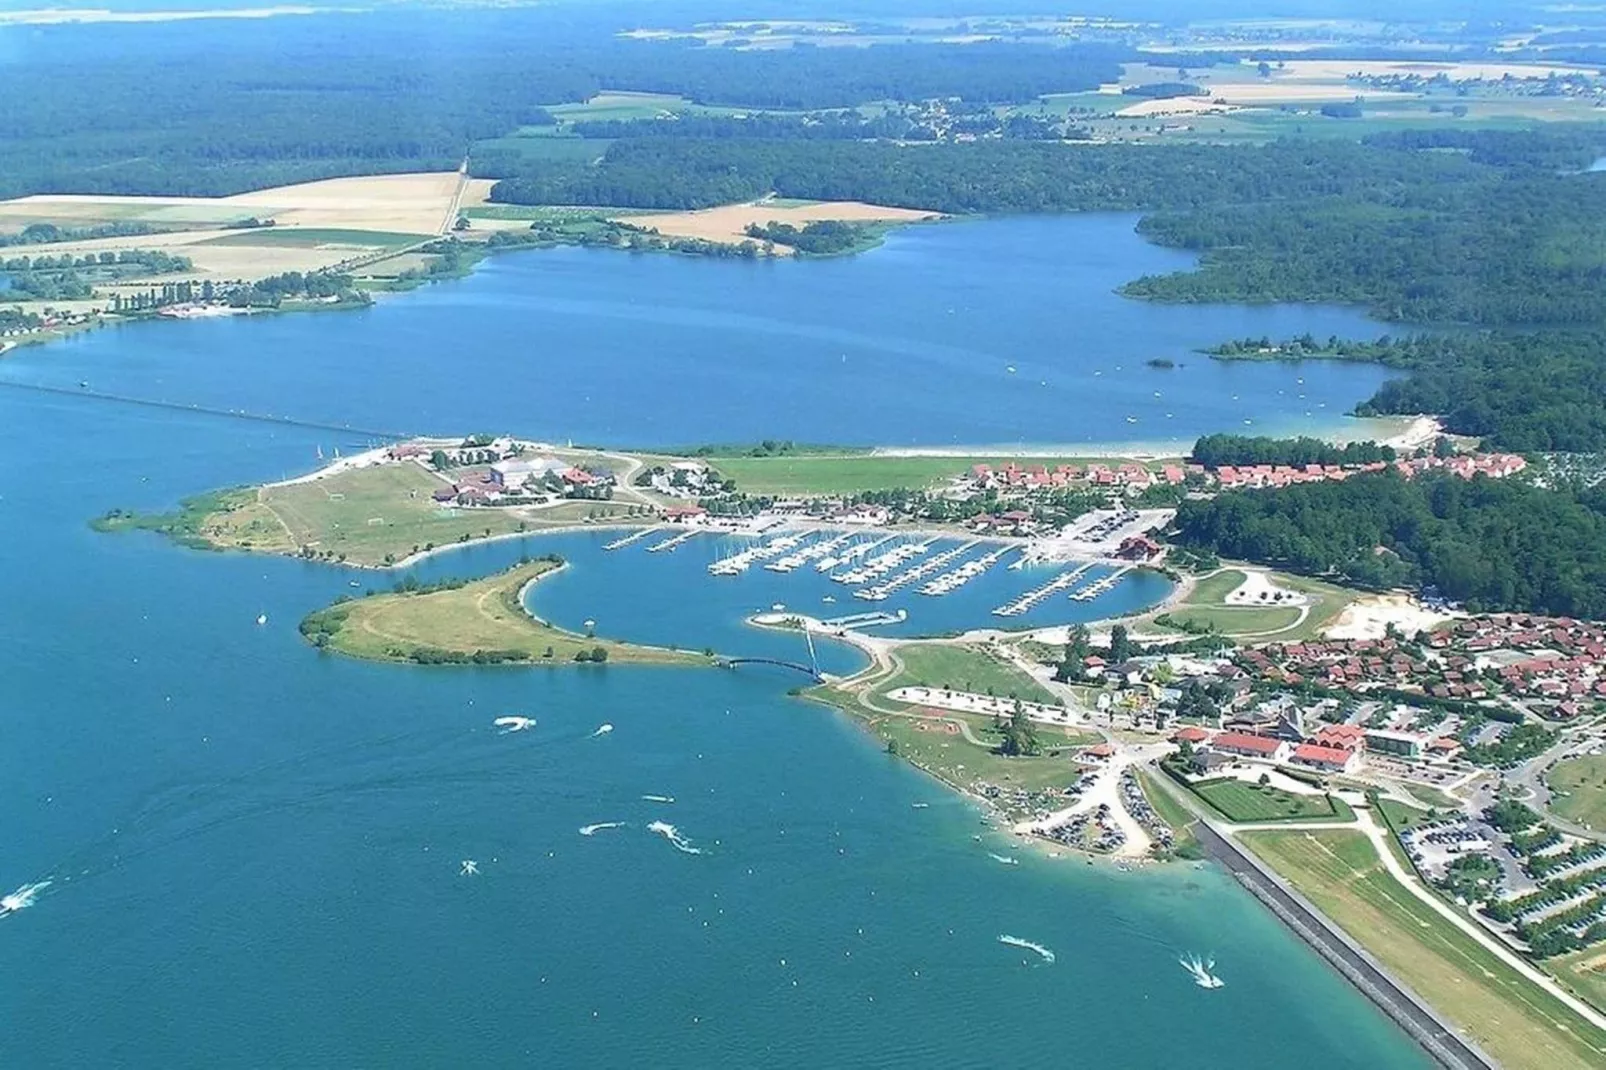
<point x="1240" y="801"/>
<point x="310" y="237"/>
<point x="1584" y="782"/>
<point x="963" y="668"/>
<point x="947" y="753"/>
<point x="484" y="615"/>
<point x="1213" y="589"/>
<point x="1585" y="973"/>
<point x="1236" y="620"/>
<point x="1400" y="816"/>
<point x="826" y="474"/>
<point x="1518" y="1023"/>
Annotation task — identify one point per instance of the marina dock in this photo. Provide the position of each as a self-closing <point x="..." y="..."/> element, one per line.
<point x="951" y="581"/>
<point x="919" y="572"/>
<point x="633" y="536"/>
<point x="740" y="562"/>
<point x="1100" y="585"/>
<point x="851" y="554"/>
<point x="882" y="564"/>
<point x="669" y="544"/>
<point x="1037" y="594"/>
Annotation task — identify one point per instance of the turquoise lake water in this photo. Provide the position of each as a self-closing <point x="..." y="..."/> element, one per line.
<point x="256" y="849"/>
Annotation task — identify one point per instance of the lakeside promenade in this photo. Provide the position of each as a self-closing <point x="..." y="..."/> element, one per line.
<point x="1436" y="1035"/>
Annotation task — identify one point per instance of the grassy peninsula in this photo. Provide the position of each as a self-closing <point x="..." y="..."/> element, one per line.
<point x="479" y="622"/>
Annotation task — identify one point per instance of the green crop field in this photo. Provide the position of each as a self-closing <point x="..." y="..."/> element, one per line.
<point x="1238" y="800"/>
<point x="311" y="237"/>
<point x="1517" y="1022"/>
<point x="1580" y="787"/>
<point x="826" y="474"/>
<point x="963" y="668"/>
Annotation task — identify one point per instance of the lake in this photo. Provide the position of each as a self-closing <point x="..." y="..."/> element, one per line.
<point x="256" y="850"/>
<point x="911" y="345"/>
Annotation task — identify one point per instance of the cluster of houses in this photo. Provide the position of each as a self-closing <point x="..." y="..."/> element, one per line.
<point x="1128" y="476"/>
<point x="1555" y="664"/>
<point x="1330" y="748"/>
<point x="1131" y="478"/>
<point x="500" y="471"/>
<point x="1465" y="465"/>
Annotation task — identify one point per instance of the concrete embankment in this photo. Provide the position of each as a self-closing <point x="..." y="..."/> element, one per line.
<point x="1437" y="1036"/>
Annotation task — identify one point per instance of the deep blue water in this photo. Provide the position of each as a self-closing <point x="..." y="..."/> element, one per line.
<point x="910" y="345"/>
<point x="256" y="848"/>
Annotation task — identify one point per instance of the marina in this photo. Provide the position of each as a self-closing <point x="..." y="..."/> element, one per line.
<point x="1038" y="594"/>
<point x="672" y="543"/>
<point x="926" y="568"/>
<point x="633" y="537"/>
<point x="740" y="562"/>
<point x="1100" y="585"/>
<point x="851" y="554"/>
<point x="951" y="581"/>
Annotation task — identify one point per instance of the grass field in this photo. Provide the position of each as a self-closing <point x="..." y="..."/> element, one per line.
<point x="1213" y="589"/>
<point x="1400" y="816"/>
<point x="484" y="615"/>
<point x="1584" y="782"/>
<point x="312" y="237"/>
<point x="1585" y="973"/>
<point x="1173" y="813"/>
<point x="825" y="474"/>
<point x="963" y="668"/>
<point x="1238" y="621"/>
<point x="1238" y="800"/>
<point x="939" y="749"/>
<point x="1518" y="1023"/>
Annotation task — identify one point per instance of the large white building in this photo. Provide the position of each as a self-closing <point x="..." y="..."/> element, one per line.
<point x="514" y="474"/>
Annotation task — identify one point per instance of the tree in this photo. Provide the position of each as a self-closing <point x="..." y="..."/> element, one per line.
<point x="1020" y="736"/>
<point x="1120" y="644"/>
<point x="1264" y="68"/>
<point x="439" y="461"/>
<point x="599" y="654"/>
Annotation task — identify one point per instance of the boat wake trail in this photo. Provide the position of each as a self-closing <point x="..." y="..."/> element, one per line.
<point x="672" y="834"/>
<point x="1003" y="859"/>
<point x="658" y="798"/>
<point x="602" y="730"/>
<point x="1201" y="971"/>
<point x="22" y="898"/>
<point x="592" y="830"/>
<point x="1015" y="941"/>
<point x="514" y="724"/>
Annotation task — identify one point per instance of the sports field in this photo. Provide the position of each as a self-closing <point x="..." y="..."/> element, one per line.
<point x="963" y="667"/>
<point x="1521" y="1025"/>
<point x="1579" y="787"/>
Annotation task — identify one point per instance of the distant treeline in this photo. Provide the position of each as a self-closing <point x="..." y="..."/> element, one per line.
<point x="1216" y="450"/>
<point x="217" y="107"/>
<point x="1542" y="391"/>
<point x="815" y="126"/>
<point x="1494" y="544"/>
<point x="44" y="233"/>
<point x="982" y="176"/>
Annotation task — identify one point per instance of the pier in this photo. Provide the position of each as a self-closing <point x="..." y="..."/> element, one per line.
<point x="740" y="562"/>
<point x="634" y="536"/>
<point x="951" y="581"/>
<point x="1037" y="594"/>
<point x="865" y="620"/>
<point x="1100" y="585"/>
<point x="851" y="554"/>
<point x="882" y="564"/>
<point x="918" y="572"/>
<point x="669" y="544"/>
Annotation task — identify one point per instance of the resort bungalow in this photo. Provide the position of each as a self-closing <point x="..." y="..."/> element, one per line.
<point x="1243" y="745"/>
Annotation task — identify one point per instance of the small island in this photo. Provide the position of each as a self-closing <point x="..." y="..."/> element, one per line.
<point x="463" y="622"/>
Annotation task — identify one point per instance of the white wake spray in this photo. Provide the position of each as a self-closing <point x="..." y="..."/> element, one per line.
<point x="1015" y="941"/>
<point x="672" y="834"/>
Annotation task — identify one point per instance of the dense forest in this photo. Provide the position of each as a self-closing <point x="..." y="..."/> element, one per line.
<point x="1541" y="391"/>
<point x="984" y="176"/>
<point x="217" y="107"/>
<point x="1216" y="450"/>
<point x="1494" y="544"/>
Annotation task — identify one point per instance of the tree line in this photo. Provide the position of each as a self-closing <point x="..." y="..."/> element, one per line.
<point x="1493" y="544"/>
<point x="1212" y="451"/>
